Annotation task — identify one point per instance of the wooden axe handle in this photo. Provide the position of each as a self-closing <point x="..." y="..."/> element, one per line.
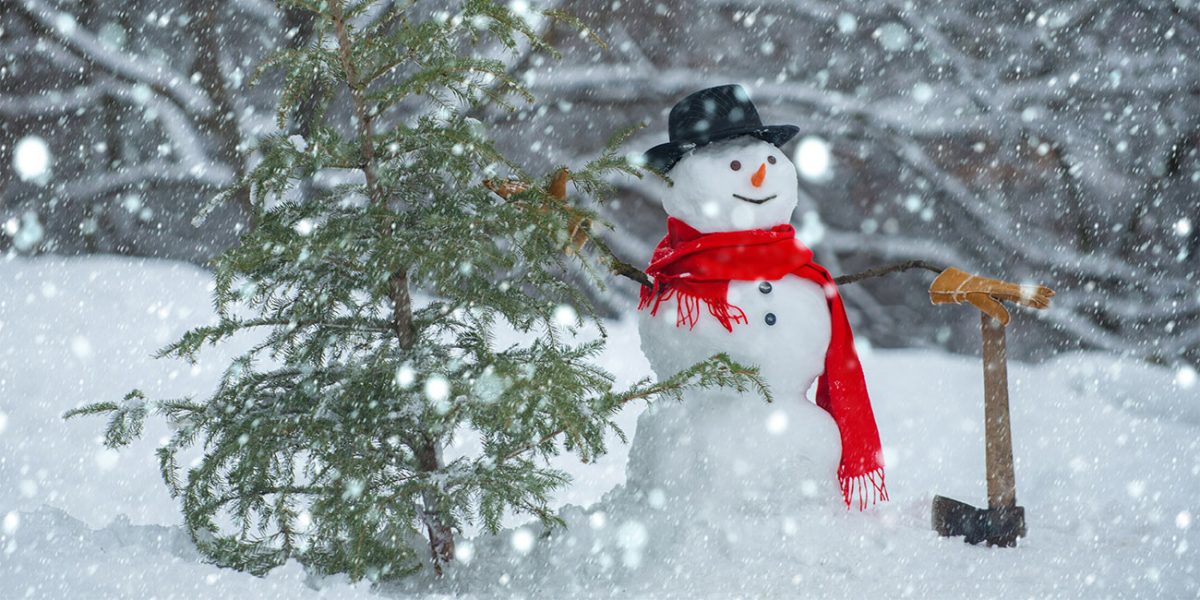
<point x="1001" y="478"/>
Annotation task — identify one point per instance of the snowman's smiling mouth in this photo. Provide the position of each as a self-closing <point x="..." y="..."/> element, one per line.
<point x="755" y="200"/>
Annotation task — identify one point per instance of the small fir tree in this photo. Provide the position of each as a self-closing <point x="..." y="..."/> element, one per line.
<point x="324" y="441"/>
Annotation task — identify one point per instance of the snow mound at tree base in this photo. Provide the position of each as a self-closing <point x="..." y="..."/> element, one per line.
<point x="629" y="546"/>
<point x="50" y="554"/>
<point x="625" y="547"/>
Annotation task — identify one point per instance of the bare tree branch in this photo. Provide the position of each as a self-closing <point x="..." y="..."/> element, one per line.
<point x="62" y="28"/>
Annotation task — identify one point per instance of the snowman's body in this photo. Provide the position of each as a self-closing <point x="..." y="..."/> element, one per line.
<point x="719" y="449"/>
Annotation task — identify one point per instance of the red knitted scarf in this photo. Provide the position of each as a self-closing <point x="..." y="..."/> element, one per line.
<point x="695" y="268"/>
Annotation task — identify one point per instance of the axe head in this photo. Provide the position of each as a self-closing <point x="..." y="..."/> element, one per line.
<point x="996" y="526"/>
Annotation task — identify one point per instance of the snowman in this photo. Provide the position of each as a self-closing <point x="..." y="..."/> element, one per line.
<point x="730" y="277"/>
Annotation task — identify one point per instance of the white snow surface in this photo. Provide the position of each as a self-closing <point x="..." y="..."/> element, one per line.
<point x="1107" y="450"/>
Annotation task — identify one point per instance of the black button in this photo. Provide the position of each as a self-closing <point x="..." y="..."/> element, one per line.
<point x="765" y="287"/>
<point x="770" y="319"/>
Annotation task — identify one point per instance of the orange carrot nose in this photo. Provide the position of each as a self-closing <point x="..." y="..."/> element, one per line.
<point x="757" y="178"/>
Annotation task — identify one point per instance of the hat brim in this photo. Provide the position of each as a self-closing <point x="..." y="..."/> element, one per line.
<point x="663" y="157"/>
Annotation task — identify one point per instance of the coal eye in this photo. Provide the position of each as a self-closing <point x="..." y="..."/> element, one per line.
<point x="735" y="165"/>
<point x="771" y="159"/>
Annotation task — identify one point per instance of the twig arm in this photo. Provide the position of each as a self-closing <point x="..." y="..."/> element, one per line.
<point x="624" y="269"/>
<point x="620" y="267"/>
<point x="505" y="189"/>
<point x="885" y="270"/>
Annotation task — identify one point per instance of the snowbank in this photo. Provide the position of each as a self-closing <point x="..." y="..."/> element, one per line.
<point x="1108" y="480"/>
<point x="1108" y="469"/>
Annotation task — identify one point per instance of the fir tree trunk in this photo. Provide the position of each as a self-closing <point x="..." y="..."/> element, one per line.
<point x="441" y="535"/>
<point x="401" y="309"/>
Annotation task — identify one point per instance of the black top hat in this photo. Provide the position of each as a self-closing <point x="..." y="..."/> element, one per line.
<point x="711" y="115"/>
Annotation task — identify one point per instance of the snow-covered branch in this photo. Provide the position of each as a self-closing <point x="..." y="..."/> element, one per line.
<point x="63" y="28"/>
<point x="52" y="102"/>
<point x="156" y="172"/>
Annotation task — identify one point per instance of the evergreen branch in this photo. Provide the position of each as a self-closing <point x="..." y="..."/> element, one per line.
<point x="718" y="371"/>
<point x="191" y="342"/>
<point x="97" y="408"/>
<point x="591" y="177"/>
<point x="127" y="420"/>
<point x="216" y="503"/>
<point x="575" y="23"/>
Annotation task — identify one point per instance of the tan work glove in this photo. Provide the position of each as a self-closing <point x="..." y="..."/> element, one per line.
<point x="954" y="286"/>
<point x="576" y="228"/>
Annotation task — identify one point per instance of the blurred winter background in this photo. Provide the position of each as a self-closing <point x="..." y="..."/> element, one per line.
<point x="1050" y="141"/>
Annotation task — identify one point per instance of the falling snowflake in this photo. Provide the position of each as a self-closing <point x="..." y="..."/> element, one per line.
<point x="32" y="159"/>
<point x="437" y="389"/>
<point x="565" y="316"/>
<point x="813" y="159"/>
<point x="522" y="541"/>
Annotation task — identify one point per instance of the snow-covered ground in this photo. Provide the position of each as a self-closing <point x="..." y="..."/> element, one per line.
<point x="1108" y="469"/>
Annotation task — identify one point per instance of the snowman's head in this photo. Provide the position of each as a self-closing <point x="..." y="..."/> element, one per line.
<point x="731" y="185"/>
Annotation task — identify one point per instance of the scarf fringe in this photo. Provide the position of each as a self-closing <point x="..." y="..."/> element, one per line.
<point x="869" y="489"/>
<point x="687" y="307"/>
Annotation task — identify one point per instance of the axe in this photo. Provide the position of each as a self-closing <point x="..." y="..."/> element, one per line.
<point x="1002" y="522"/>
